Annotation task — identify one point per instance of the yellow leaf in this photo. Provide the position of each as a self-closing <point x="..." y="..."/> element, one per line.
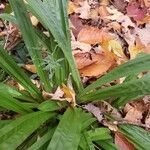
<point x="69" y="94"/>
<point x="116" y="48"/>
<point x="71" y="7"/>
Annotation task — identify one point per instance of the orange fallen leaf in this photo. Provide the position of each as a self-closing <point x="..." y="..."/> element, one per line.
<point x="71" y="7"/>
<point x="122" y="143"/>
<point x="137" y="48"/>
<point x="93" y="35"/>
<point x="30" y="68"/>
<point x="95" y="64"/>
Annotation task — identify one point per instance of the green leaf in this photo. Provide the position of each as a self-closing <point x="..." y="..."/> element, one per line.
<point x="4" y="123"/>
<point x="68" y="133"/>
<point x="135" y="87"/>
<point x="86" y="142"/>
<point x="12" y="135"/>
<point x="134" y="66"/>
<point x="10" y="103"/>
<point x="136" y="135"/>
<point x="15" y="93"/>
<point x="42" y="141"/>
<point x="30" y="39"/>
<point x="51" y="105"/>
<point x="107" y="145"/>
<point x="8" y="17"/>
<point x="49" y="13"/>
<point x="8" y="64"/>
<point x="99" y="134"/>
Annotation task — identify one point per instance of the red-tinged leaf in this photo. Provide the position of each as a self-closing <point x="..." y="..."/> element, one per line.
<point x="136" y="12"/>
<point x="122" y="143"/>
<point x="77" y="23"/>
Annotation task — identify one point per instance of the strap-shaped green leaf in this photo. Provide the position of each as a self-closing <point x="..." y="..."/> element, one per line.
<point x="48" y="13"/>
<point x="42" y="141"/>
<point x="10" y="103"/>
<point x="136" y="135"/>
<point x="99" y="134"/>
<point x="30" y="38"/>
<point x="135" y="87"/>
<point x="8" y="64"/>
<point x="134" y="66"/>
<point x="12" y="135"/>
<point x="68" y="133"/>
<point x="8" y="17"/>
<point x="13" y="92"/>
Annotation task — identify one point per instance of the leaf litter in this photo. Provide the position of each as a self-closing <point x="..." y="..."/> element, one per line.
<point x="105" y="34"/>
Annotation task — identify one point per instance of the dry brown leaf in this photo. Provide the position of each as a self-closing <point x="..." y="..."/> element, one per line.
<point x="103" y="11"/>
<point x="80" y="45"/>
<point x="95" y="111"/>
<point x="30" y="68"/>
<point x="122" y="143"/>
<point x="134" y="112"/>
<point x="93" y="35"/>
<point x="84" y="10"/>
<point x="147" y="3"/>
<point x="104" y="2"/>
<point x="94" y="64"/>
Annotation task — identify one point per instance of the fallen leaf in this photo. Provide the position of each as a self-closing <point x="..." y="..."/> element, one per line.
<point x="147" y="3"/>
<point x="120" y="4"/>
<point x="69" y="94"/>
<point x="135" y="11"/>
<point x="95" y="111"/>
<point x="137" y="48"/>
<point x="93" y="35"/>
<point x="77" y="24"/>
<point x="84" y="10"/>
<point x="134" y="112"/>
<point x="144" y="34"/>
<point x="94" y="64"/>
<point x="104" y="2"/>
<point x="122" y="143"/>
<point x="71" y="7"/>
<point x="30" y="68"/>
<point x="116" y="48"/>
<point x="80" y="45"/>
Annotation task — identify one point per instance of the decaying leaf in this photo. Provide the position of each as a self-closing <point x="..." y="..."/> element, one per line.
<point x="122" y="143"/>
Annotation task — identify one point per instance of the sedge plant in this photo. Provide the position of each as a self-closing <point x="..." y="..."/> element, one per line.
<point x="54" y="125"/>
